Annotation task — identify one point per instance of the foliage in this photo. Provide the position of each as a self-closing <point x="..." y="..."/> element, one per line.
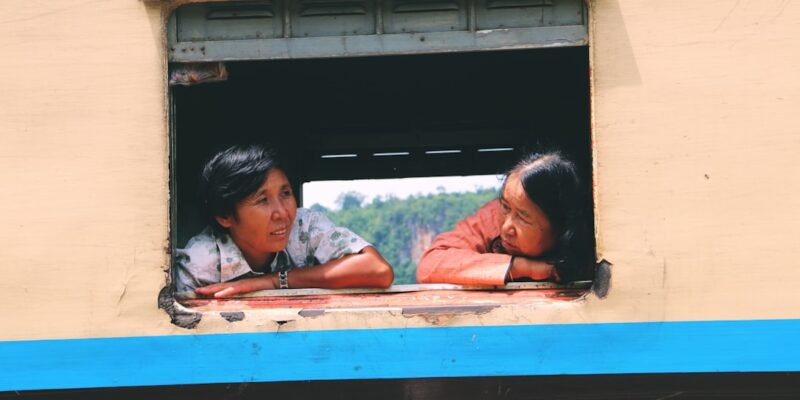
<point x="402" y="229"/>
<point x="350" y="200"/>
<point x="319" y="208"/>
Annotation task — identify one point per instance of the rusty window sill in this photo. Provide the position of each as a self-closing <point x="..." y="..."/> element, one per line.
<point x="409" y="298"/>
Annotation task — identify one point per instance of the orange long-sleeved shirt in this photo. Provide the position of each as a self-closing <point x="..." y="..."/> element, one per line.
<point x="465" y="255"/>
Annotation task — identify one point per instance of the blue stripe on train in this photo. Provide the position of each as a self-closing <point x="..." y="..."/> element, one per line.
<point x="615" y="348"/>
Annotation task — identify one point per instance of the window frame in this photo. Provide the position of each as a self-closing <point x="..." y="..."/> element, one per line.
<point x="213" y="52"/>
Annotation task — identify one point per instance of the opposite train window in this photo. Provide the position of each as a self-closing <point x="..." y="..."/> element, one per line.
<point x="408" y="108"/>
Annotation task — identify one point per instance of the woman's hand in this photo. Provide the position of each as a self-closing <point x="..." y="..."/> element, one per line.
<point x="537" y="270"/>
<point x="226" y="289"/>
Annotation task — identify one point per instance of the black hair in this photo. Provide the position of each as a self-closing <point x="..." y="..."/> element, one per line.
<point x="230" y="176"/>
<point x="552" y="182"/>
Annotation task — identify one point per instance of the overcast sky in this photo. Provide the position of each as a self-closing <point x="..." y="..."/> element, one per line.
<point x="326" y="192"/>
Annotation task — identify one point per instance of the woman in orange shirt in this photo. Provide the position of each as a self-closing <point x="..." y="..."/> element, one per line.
<point x="535" y="230"/>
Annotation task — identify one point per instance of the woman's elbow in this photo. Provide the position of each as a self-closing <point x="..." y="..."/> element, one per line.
<point x="384" y="275"/>
<point x="426" y="266"/>
<point x="380" y="272"/>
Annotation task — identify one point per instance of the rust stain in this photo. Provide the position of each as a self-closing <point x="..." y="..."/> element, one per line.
<point x="449" y="310"/>
<point x="315" y="305"/>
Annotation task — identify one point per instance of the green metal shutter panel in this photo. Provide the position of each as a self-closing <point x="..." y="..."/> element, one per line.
<point x="331" y="18"/>
<point x="280" y="29"/>
<point x="228" y="21"/>
<point x="401" y="16"/>
<point x="500" y="14"/>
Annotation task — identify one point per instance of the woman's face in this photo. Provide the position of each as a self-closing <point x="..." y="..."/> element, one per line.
<point x="524" y="228"/>
<point x="263" y="220"/>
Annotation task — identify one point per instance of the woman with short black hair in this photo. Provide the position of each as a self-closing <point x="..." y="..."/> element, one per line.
<point x="258" y="239"/>
<point x="535" y="230"/>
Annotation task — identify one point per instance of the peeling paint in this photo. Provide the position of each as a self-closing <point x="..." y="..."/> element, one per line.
<point x="449" y="310"/>
<point x="435" y="314"/>
<point x="186" y="320"/>
<point x="232" y="316"/>
<point x="602" y="279"/>
<point x="311" y="312"/>
<point x="178" y="316"/>
<point x="281" y="323"/>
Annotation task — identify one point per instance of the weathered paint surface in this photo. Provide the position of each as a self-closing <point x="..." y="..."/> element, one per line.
<point x="696" y="135"/>
<point x="443" y="300"/>
<point x="83" y="177"/>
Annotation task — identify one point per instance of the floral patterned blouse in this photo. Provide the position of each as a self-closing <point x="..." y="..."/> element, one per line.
<point x="211" y="257"/>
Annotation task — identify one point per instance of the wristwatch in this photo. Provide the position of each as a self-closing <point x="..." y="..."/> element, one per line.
<point x="283" y="279"/>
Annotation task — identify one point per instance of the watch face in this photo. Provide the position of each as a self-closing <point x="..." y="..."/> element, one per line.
<point x="284" y="279"/>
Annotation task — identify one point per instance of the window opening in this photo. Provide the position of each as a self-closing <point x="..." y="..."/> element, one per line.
<point x="348" y="119"/>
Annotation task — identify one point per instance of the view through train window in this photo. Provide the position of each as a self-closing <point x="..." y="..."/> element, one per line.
<point x="401" y="217"/>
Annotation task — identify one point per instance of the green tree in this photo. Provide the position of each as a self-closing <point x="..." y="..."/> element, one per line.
<point x="319" y="208"/>
<point x="393" y="225"/>
<point x="350" y="200"/>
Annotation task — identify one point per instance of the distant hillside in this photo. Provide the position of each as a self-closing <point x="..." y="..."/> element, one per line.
<point x="402" y="229"/>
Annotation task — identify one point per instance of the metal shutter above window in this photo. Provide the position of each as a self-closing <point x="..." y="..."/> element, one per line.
<point x="280" y="29"/>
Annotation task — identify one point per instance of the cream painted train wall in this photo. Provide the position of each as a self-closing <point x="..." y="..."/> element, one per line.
<point x="696" y="130"/>
<point x="696" y="135"/>
<point x="83" y="169"/>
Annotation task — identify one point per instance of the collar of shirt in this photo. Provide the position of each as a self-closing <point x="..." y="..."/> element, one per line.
<point x="233" y="264"/>
<point x="496" y="246"/>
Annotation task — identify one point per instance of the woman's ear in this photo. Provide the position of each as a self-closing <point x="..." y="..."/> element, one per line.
<point x="225" y="222"/>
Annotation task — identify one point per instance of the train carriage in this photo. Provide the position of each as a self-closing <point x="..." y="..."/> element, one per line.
<point x="682" y="115"/>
